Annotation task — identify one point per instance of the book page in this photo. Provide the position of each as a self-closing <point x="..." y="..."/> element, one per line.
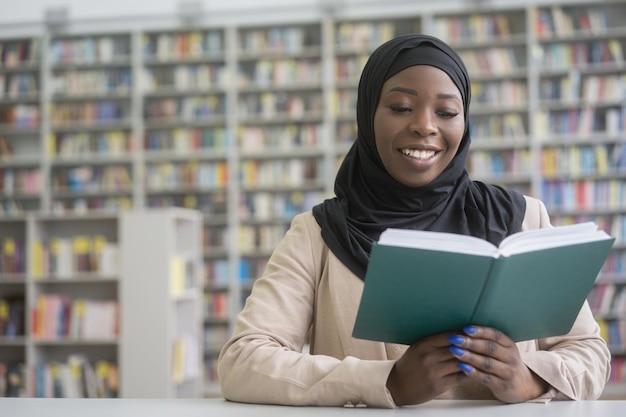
<point x="538" y="239"/>
<point x="440" y="241"/>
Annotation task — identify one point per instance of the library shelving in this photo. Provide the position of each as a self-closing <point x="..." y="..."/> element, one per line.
<point x="579" y="125"/>
<point x="247" y="122"/>
<point x="20" y="123"/>
<point x="162" y="338"/>
<point x="69" y="297"/>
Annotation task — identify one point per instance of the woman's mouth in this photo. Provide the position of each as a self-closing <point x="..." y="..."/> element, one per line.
<point x="419" y="154"/>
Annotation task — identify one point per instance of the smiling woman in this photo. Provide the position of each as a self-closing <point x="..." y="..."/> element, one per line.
<point x="406" y="169"/>
<point x="418" y="130"/>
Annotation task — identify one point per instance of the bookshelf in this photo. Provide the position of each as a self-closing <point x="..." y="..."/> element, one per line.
<point x="162" y="334"/>
<point x="248" y="122"/>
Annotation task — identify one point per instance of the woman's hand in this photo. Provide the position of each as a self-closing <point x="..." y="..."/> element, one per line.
<point x="426" y="370"/>
<point x="492" y="359"/>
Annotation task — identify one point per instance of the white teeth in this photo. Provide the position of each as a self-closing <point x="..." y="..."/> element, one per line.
<point x="417" y="154"/>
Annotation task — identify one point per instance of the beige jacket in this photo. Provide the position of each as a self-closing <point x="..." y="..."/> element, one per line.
<point x="307" y="295"/>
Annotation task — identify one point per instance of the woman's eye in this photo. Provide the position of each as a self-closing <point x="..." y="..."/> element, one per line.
<point x="447" y="114"/>
<point x="400" y="109"/>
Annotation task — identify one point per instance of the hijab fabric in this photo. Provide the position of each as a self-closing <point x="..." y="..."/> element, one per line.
<point x="369" y="200"/>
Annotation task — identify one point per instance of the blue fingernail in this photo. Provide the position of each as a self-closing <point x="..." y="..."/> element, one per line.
<point x="457" y="351"/>
<point x="456" y="339"/>
<point x="469" y="329"/>
<point x="466" y="368"/>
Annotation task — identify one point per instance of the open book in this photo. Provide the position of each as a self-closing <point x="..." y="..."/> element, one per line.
<point x="532" y="286"/>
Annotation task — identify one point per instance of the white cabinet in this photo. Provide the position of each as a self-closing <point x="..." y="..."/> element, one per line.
<point x="161" y="350"/>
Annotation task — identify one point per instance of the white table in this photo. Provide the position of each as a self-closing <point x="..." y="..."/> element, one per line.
<point x="49" y="407"/>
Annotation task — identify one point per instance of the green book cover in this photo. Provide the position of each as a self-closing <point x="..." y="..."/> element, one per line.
<point x="531" y="289"/>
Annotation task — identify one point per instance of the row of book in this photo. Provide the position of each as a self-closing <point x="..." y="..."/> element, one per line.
<point x="183" y="140"/>
<point x="560" y="21"/>
<point x="257" y="138"/>
<point x="80" y="144"/>
<point x="608" y="300"/>
<point x="214" y="237"/>
<point x="614" y="332"/>
<point x="92" y="82"/>
<point x="216" y="273"/>
<point x="493" y="128"/>
<point x="167" y="175"/>
<point x="365" y="36"/>
<point x="260" y="238"/>
<point x="12" y="379"/>
<point x="210" y="204"/>
<point x="184" y="109"/>
<point x="494" y="163"/>
<point x="78" y="377"/>
<point x="281" y="73"/>
<point x="186" y="358"/>
<point x="65" y="257"/>
<point x="280" y="173"/>
<point x="584" y="194"/>
<point x="615" y="264"/>
<point x="557" y="56"/>
<point x="57" y="316"/>
<point x="215" y="337"/>
<point x="618" y="370"/>
<point x="250" y="269"/>
<point x="348" y="68"/>
<point x="183" y="45"/>
<point x="13" y="257"/>
<point x="279" y="40"/>
<point x="589" y="89"/>
<point x="505" y="93"/>
<point x="82" y="205"/>
<point x="12" y="316"/>
<point x="215" y="305"/>
<point x="14" y="53"/>
<point x="20" y="115"/>
<point x="290" y="105"/>
<point x="583" y="160"/>
<point x="18" y="85"/>
<point x="86" y="50"/>
<point x="581" y="121"/>
<point x="185" y="77"/>
<point x="88" y="112"/>
<point x="476" y="27"/>
<point x="260" y="206"/>
<point x="493" y="61"/>
<point x="89" y="179"/>
<point x="20" y="181"/>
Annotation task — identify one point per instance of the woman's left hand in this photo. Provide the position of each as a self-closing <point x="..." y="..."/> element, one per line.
<point x="492" y="359"/>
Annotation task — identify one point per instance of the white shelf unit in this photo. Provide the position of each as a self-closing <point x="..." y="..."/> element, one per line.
<point x="162" y="287"/>
<point x="245" y="69"/>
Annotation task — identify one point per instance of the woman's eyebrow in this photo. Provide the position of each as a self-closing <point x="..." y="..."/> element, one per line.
<point x="410" y="91"/>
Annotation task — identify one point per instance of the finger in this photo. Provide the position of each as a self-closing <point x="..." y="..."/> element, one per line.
<point x="490" y="333"/>
<point x="483" y="348"/>
<point x="489" y="380"/>
<point x="486" y="364"/>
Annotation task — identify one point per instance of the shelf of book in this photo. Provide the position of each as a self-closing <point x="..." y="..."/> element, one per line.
<point x="249" y="122"/>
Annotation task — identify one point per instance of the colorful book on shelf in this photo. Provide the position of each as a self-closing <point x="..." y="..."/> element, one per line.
<point x="420" y="283"/>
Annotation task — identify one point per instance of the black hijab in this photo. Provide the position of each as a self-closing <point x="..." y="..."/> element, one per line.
<point x="368" y="200"/>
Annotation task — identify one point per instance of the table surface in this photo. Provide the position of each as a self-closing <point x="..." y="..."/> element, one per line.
<point x="66" y="407"/>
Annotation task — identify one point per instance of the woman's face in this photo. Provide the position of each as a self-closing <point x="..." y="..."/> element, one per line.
<point x="418" y="124"/>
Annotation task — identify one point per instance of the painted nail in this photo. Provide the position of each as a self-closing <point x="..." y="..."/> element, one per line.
<point x="457" y="351"/>
<point x="466" y="368"/>
<point x="469" y="330"/>
<point x="456" y="339"/>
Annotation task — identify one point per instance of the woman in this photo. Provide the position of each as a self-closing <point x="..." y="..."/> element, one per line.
<point x="406" y="169"/>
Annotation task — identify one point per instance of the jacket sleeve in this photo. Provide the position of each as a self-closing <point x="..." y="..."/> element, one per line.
<point x="576" y="365"/>
<point x="263" y="361"/>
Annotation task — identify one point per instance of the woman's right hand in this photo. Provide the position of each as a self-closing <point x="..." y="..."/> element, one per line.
<point x="426" y="370"/>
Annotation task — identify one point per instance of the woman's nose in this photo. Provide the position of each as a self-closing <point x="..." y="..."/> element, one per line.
<point x="423" y="123"/>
